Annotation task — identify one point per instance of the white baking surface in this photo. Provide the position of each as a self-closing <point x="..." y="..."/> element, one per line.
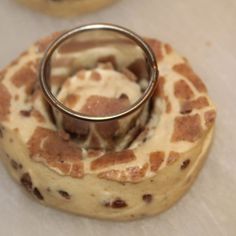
<point x="205" y="32"/>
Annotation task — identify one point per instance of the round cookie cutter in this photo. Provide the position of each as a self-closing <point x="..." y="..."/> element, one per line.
<point x="115" y="126"/>
<point x="45" y="67"/>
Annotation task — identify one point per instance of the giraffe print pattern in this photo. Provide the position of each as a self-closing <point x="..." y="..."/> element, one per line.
<point x="181" y="117"/>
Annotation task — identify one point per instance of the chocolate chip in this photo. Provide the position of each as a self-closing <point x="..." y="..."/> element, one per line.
<point x="147" y="198"/>
<point x="38" y="194"/>
<point x="25" y="113"/>
<point x="118" y="203"/>
<point x="64" y="194"/>
<point x="1" y="133"/>
<point x="185" y="164"/>
<point x="26" y="182"/>
<point x="14" y="164"/>
<point x="123" y="96"/>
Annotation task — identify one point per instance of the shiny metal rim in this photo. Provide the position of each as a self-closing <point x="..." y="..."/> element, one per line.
<point x="45" y="63"/>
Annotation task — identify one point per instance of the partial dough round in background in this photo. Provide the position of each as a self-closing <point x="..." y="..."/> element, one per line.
<point x="65" y="8"/>
<point x="145" y="179"/>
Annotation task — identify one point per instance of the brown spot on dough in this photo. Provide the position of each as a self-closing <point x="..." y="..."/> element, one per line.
<point x="71" y="100"/>
<point x="35" y="113"/>
<point x="123" y="96"/>
<point x="188" y="106"/>
<point x="37" y="194"/>
<point x="182" y="90"/>
<point x="15" y="165"/>
<point x="81" y="74"/>
<point x="95" y="76"/>
<point x="26" y="182"/>
<point x="185" y="164"/>
<point x="49" y="147"/>
<point x="173" y="156"/>
<point x="103" y="106"/>
<point x="210" y="117"/>
<point x="130" y="174"/>
<point x="168" y="48"/>
<point x="185" y="70"/>
<point x="5" y="100"/>
<point x="147" y="198"/>
<point x="156" y="159"/>
<point x="64" y="194"/>
<point x="187" y="128"/>
<point x="156" y="47"/>
<point x="25" y="76"/>
<point x="25" y="113"/>
<point x="110" y="159"/>
<point x="117" y="203"/>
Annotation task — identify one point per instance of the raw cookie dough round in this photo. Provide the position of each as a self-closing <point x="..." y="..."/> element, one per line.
<point x="144" y="179"/>
<point x="66" y="7"/>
